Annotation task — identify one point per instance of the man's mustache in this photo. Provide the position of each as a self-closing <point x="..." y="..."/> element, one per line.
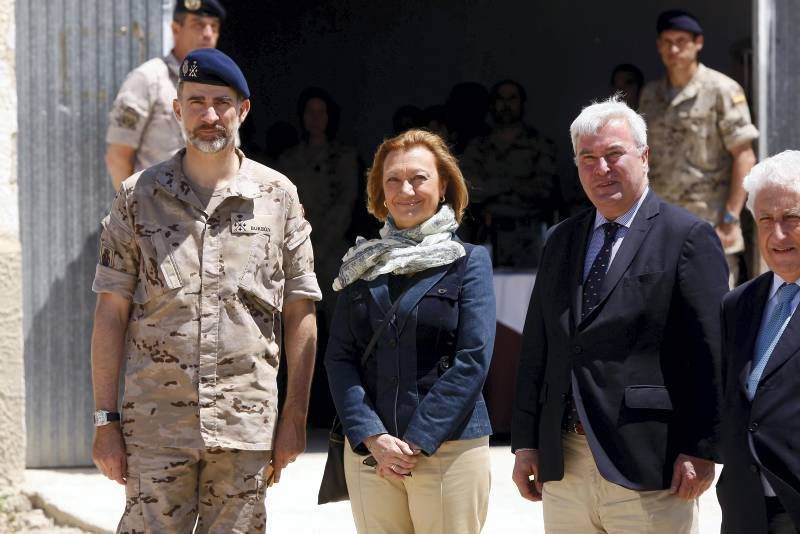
<point x="218" y="128"/>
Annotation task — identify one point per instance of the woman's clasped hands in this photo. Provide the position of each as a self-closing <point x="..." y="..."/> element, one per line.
<point x="394" y="457"/>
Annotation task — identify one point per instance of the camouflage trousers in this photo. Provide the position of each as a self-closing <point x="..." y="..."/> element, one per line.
<point x="174" y="490"/>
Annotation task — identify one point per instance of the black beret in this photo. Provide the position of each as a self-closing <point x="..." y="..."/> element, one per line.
<point x="208" y="8"/>
<point x="677" y="19"/>
<point x="212" y="67"/>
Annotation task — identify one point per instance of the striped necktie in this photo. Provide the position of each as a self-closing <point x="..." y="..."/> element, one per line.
<point x="771" y="333"/>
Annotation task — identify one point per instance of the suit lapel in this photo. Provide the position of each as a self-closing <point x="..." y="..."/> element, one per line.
<point x="642" y="222"/>
<point x="788" y="345"/>
<point x="577" y="259"/>
<point x="748" y="322"/>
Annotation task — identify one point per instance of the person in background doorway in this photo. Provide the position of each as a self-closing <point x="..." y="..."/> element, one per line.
<point x="325" y="172"/>
<point x="628" y="80"/>
<point x="512" y="171"/>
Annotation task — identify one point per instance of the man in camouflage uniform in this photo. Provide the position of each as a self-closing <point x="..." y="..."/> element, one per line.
<point x="142" y="130"/>
<point x="512" y="174"/>
<point x="700" y="134"/>
<point x="203" y="258"/>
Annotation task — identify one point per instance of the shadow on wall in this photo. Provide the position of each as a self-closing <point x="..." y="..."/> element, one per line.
<point x="58" y="384"/>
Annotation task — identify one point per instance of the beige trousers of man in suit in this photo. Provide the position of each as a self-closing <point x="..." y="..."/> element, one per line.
<point x="583" y="502"/>
<point x="447" y="493"/>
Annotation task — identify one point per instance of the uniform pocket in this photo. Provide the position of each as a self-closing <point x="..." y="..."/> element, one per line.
<point x="159" y="270"/>
<point x="251" y="280"/>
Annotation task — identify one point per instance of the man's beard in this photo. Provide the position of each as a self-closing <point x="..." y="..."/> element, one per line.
<point x="222" y="138"/>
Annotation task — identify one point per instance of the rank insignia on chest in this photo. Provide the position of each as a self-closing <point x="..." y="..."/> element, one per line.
<point x="248" y="223"/>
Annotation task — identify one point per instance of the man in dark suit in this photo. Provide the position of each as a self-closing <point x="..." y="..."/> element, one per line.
<point x="616" y="408"/>
<point x="759" y="489"/>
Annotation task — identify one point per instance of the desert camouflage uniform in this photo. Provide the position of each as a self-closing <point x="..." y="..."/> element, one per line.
<point x="141" y="116"/>
<point x="690" y="137"/>
<point x="203" y="339"/>
<point x="515" y="186"/>
<point x="163" y="494"/>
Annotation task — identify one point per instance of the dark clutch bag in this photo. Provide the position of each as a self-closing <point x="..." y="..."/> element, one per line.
<point x="334" y="487"/>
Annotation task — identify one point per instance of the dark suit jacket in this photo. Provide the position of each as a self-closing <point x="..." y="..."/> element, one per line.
<point x="646" y="359"/>
<point x="772" y="418"/>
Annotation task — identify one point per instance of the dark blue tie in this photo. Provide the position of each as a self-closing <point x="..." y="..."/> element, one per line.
<point x="594" y="281"/>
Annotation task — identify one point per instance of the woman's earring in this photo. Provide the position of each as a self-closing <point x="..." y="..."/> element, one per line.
<point x="384" y="205"/>
<point x="441" y="200"/>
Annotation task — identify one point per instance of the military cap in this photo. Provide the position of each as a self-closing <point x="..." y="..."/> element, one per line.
<point x="206" y="8"/>
<point x="678" y="19"/>
<point x="212" y="67"/>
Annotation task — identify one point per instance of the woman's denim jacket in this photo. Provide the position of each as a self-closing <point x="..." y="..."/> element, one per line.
<point x="424" y="379"/>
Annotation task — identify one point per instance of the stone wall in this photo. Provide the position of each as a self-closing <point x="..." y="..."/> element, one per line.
<point x="12" y="396"/>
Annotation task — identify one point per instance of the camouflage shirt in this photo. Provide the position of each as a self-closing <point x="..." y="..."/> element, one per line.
<point x="511" y="179"/>
<point x="203" y="339"/>
<point x="141" y="116"/>
<point x="690" y="137"/>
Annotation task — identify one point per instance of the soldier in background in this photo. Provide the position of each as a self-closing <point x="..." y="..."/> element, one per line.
<point x="700" y="134"/>
<point x="142" y="129"/>
<point x="203" y="259"/>
<point x="325" y="172"/>
<point x="512" y="171"/>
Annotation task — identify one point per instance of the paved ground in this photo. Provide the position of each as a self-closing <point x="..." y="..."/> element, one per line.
<point x="94" y="503"/>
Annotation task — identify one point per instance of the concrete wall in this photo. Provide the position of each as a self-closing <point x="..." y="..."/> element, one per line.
<point x="12" y="390"/>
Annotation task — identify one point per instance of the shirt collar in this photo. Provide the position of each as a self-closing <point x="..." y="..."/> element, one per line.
<point x="777" y="282"/>
<point x="626" y="218"/>
<point x="172" y="179"/>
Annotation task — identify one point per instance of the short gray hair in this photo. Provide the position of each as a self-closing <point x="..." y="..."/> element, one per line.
<point x="598" y="114"/>
<point x="781" y="171"/>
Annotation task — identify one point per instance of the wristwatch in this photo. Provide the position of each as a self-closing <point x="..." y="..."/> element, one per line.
<point x="103" y="417"/>
<point x="729" y="218"/>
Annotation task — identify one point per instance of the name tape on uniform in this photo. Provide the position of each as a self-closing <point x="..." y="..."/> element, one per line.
<point x="248" y="223"/>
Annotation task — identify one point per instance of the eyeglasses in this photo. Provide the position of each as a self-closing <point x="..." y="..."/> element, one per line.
<point x="680" y="43"/>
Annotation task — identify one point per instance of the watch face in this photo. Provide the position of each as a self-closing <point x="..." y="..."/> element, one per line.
<point x="100" y="417"/>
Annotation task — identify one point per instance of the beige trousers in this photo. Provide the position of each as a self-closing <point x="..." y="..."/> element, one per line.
<point x="584" y="502"/>
<point x="180" y="491"/>
<point x="447" y="493"/>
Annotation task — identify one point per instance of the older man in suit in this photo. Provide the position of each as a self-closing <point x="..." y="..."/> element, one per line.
<point x="759" y="488"/>
<point x="617" y="397"/>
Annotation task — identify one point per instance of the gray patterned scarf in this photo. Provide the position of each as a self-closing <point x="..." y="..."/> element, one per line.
<point x="411" y="250"/>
